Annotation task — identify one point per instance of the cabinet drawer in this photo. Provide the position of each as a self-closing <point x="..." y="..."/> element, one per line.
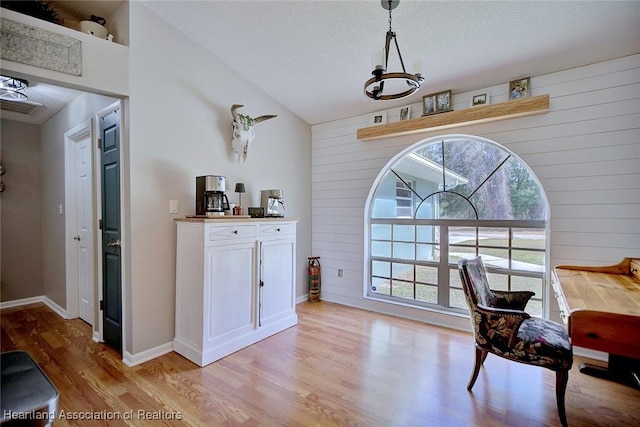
<point x="276" y="229"/>
<point x="231" y="233"/>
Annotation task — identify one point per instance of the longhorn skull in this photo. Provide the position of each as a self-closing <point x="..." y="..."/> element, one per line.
<point x="243" y="133"/>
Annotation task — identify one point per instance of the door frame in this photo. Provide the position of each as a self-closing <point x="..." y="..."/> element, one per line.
<point x="71" y="138"/>
<point x="124" y="235"/>
<point x="72" y="285"/>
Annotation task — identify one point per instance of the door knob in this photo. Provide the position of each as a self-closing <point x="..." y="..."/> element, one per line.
<point x="115" y="244"/>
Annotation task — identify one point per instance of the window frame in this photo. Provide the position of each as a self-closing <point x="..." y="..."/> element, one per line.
<point x="444" y="267"/>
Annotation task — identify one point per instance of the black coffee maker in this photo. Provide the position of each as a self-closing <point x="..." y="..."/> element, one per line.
<point x="210" y="197"/>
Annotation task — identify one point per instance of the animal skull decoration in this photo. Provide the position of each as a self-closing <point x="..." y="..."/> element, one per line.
<point x="243" y="133"/>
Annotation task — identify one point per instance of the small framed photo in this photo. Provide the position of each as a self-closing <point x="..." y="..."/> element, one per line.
<point x="436" y="103"/>
<point x="519" y="88"/>
<point x="480" y="99"/>
<point x="378" y="118"/>
<point x="404" y="113"/>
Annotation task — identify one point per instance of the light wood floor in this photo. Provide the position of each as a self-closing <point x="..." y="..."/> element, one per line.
<point x="339" y="367"/>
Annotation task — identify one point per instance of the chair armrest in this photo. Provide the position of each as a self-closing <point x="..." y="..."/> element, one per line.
<point x="497" y="327"/>
<point x="515" y="300"/>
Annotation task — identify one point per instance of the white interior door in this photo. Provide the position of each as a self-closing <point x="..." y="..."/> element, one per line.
<point x="85" y="224"/>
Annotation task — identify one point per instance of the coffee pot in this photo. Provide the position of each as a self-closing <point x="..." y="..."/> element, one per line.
<point x="210" y="197"/>
<point x="272" y="201"/>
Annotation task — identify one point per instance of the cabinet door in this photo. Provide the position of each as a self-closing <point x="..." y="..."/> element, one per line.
<point x="277" y="271"/>
<point x="230" y="292"/>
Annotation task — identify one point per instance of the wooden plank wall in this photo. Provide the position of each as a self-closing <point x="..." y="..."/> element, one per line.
<point x="585" y="152"/>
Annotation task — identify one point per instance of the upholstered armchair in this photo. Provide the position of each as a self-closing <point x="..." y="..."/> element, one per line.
<point x="502" y="327"/>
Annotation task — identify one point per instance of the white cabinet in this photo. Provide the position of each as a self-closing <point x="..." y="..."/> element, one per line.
<point x="235" y="284"/>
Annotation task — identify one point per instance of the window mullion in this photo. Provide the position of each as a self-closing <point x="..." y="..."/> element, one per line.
<point x="443" y="267"/>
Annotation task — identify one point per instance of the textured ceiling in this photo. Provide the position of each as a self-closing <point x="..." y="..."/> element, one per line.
<point x="51" y="98"/>
<point x="314" y="56"/>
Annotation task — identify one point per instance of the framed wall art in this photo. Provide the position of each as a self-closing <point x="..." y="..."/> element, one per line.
<point x="404" y="113"/>
<point x="519" y="88"/>
<point x="439" y="102"/>
<point x="480" y="99"/>
<point x="378" y="118"/>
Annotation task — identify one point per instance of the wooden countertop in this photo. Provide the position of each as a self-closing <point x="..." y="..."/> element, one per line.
<point x="232" y="218"/>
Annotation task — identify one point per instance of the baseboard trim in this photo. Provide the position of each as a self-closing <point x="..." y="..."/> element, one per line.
<point x="34" y="300"/>
<point x="55" y="307"/>
<point x="135" y="359"/>
<point x="302" y="299"/>
<point x="22" y="301"/>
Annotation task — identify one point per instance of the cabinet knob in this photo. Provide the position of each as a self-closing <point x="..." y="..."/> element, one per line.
<point x="278" y="229"/>
<point x="235" y="231"/>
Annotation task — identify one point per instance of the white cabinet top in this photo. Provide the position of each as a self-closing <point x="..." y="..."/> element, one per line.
<point x="239" y="218"/>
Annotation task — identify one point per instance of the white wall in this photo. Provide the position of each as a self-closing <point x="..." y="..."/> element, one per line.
<point x="180" y="128"/>
<point x="20" y="218"/>
<point x="585" y="152"/>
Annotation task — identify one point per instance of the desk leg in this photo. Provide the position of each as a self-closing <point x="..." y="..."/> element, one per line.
<point x="624" y="370"/>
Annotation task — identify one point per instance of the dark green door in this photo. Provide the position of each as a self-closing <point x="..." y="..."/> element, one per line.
<point x="111" y="254"/>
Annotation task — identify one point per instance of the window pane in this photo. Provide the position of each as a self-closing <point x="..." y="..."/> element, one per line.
<point x="380" y="286"/>
<point x="426" y="234"/>
<point x="457" y="299"/>
<point x="465" y="235"/>
<point x="494" y="237"/>
<point x="381" y="249"/>
<point x="404" y="233"/>
<point x="530" y="238"/>
<point x="528" y="260"/>
<point x="427" y="252"/>
<point x="427" y="293"/>
<point x="456" y="295"/>
<point x="533" y="284"/>
<point x="426" y="274"/>
<point x="404" y="250"/>
<point x="381" y="268"/>
<point x="381" y="231"/>
<point x="402" y="271"/>
<point x="498" y="282"/>
<point x="495" y="257"/>
<point x="402" y="289"/>
<point x="384" y="203"/>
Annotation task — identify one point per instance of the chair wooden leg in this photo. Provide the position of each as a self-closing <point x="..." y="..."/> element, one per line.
<point x="562" y="377"/>
<point x="484" y="357"/>
<point x="480" y="356"/>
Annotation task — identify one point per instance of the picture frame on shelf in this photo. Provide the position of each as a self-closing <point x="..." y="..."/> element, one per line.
<point x="480" y="99"/>
<point x="404" y="113"/>
<point x="519" y="88"/>
<point x="438" y="102"/>
<point x="378" y="118"/>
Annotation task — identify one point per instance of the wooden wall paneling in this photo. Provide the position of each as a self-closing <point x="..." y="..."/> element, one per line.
<point x="584" y="152"/>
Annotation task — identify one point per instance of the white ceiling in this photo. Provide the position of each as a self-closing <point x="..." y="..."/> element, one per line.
<point x="314" y="56"/>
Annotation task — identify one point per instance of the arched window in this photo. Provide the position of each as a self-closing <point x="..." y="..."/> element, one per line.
<point x="448" y="198"/>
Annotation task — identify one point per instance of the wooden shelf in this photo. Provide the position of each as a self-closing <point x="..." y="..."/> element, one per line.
<point x="485" y="113"/>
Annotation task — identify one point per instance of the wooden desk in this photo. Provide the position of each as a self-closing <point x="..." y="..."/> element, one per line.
<point x="601" y="308"/>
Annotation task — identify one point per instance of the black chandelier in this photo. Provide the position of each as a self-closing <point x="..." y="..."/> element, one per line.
<point x="12" y="89"/>
<point x="374" y="87"/>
